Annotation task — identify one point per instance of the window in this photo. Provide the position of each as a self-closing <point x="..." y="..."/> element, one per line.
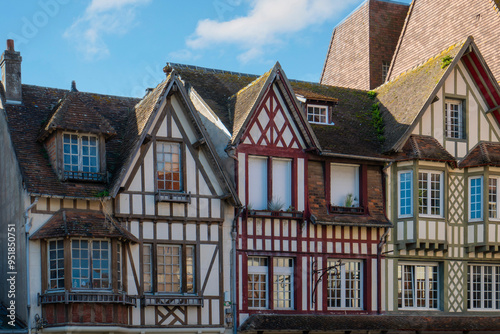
<point x="282" y="286"/>
<point x="317" y="114"/>
<point x="484" y="287"/>
<point x="476" y="198"/>
<point x="257" y="185"/>
<point x="168" y="166"/>
<point x="385" y="70"/>
<point x="454" y="119"/>
<point x="344" y="185"/>
<point x="493" y="198"/>
<point x="430" y="195"/>
<point x="405" y="194"/>
<point x="119" y="265"/>
<point x="80" y="153"/>
<point x="56" y="264"/>
<point x="345" y="286"/>
<point x="418" y="286"/>
<point x="282" y="185"/>
<point x="175" y="268"/>
<point x="90" y="264"/>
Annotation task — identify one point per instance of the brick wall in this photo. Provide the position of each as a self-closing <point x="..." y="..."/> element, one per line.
<point x="347" y="61"/>
<point x="386" y="22"/>
<point x="316" y="184"/>
<point x="375" y="192"/>
<point x="435" y="25"/>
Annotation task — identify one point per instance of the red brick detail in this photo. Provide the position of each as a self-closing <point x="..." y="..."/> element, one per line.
<point x="60" y="312"/>
<point x="98" y="310"/>
<point x="316" y="184"/>
<point x="434" y="25"/>
<point x="109" y="313"/>
<point x="87" y="313"/>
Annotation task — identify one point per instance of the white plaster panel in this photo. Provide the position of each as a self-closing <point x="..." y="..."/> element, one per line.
<point x="450" y="147"/>
<point x="355" y="248"/>
<point x="148" y="230"/>
<point x="136" y="316"/>
<point x="347" y="247"/>
<point x="203" y="232"/>
<point x="214" y="232"/>
<point x="136" y="184"/>
<point x="192" y="208"/>
<point x="216" y="203"/>
<point x="162" y="231"/>
<point x="285" y="246"/>
<point x="176" y="133"/>
<point x="258" y="244"/>
<point x="192" y="315"/>
<point x="338" y="247"/>
<point x="374" y="284"/>
<point x="211" y="175"/>
<point x="241" y="179"/>
<point x="390" y="285"/>
<point x="124" y="203"/>
<point x="426" y="123"/>
<point x="441" y="231"/>
<point x="470" y="234"/>
<point x="206" y="255"/>
<point x="438" y="118"/>
<point x="277" y="245"/>
<point x="190" y="232"/>
<point x="480" y="233"/>
<point x="184" y="122"/>
<point x="300" y="185"/>
<point x="215" y="311"/>
<point x="432" y="230"/>
<point x="42" y="204"/>
<point x="204" y="207"/>
<point x="163" y="209"/>
<point x="177" y="231"/>
<point x="54" y="205"/>
<point x="80" y="204"/>
<point x="364" y="248"/>
<point x="472" y="113"/>
<point x="294" y="246"/>
<point x="162" y="131"/>
<point x="205" y="314"/>
<point x="450" y="83"/>
<point x="268" y="244"/>
<point x="249" y="243"/>
<point x="150" y="204"/>
<point x="149" y="174"/>
<point x="293" y="227"/>
<point x="484" y="130"/>
<point x="267" y="227"/>
<point x="68" y="203"/>
<point x="178" y="209"/>
<point x="134" y="228"/>
<point x="190" y="173"/>
<point x="304" y="281"/>
<point x="149" y="315"/>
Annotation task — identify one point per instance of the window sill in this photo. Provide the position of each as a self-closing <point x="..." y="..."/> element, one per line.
<point x="171" y="196"/>
<point x="347" y="210"/>
<point x="154" y="300"/>
<point x="83" y="176"/>
<point x="269" y="213"/>
<point x="476" y="220"/>
<point x="67" y="297"/>
<point x="431" y="216"/>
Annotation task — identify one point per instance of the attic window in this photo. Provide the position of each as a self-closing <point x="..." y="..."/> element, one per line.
<point x="81" y="157"/>
<point x="454" y="119"/>
<point x="317" y="114"/>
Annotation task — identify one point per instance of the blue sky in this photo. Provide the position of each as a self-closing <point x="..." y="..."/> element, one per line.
<point x="119" y="47"/>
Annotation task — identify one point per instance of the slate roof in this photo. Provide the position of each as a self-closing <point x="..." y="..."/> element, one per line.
<point x="352" y="133"/>
<point x="25" y="123"/>
<point x="483" y="154"/>
<point x="81" y="223"/>
<point x="75" y="114"/>
<point x="424" y="148"/>
<point x="405" y="98"/>
<point x="334" y="323"/>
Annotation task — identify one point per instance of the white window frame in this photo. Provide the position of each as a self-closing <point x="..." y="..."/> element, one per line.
<point x="493" y="198"/>
<point x="282" y="289"/>
<point x="262" y="270"/>
<point x="167" y="153"/>
<point x="400" y="215"/>
<point x="481" y="199"/>
<point x="480" y="294"/>
<point x="341" y="275"/>
<point x="414" y="293"/>
<point x="429" y="198"/>
<point x="80" y="152"/>
<point x="313" y="114"/>
<point x="450" y="133"/>
<point x="57" y="269"/>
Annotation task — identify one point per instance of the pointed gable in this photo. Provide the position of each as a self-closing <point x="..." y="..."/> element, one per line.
<point x="431" y="25"/>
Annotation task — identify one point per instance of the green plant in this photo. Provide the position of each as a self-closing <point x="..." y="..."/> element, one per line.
<point x="275" y="204"/>
<point x="103" y="193"/>
<point x="350" y="200"/>
<point x="249" y="207"/>
<point x="378" y="122"/>
<point x="372" y="94"/>
<point x="445" y="61"/>
<point x="44" y="152"/>
<point x="290" y="208"/>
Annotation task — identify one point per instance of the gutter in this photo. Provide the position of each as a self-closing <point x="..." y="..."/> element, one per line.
<point x="71" y="197"/>
<point x="27" y="228"/>
<point x="352" y="156"/>
<point x="234" y="234"/>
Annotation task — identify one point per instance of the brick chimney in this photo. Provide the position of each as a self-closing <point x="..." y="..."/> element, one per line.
<point x="10" y="62"/>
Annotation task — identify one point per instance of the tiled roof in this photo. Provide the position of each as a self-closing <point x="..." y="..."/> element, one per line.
<point x="348" y="220"/>
<point x="483" y="154"/>
<point x="82" y="223"/>
<point x="25" y="122"/>
<point x="424" y="148"/>
<point x="405" y="98"/>
<point x="314" y="96"/>
<point x="351" y="134"/>
<point x="345" y="322"/>
<point x="74" y="114"/>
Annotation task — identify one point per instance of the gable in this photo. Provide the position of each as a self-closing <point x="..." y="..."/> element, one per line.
<point x="479" y="126"/>
<point x="431" y="25"/>
<point x="272" y="124"/>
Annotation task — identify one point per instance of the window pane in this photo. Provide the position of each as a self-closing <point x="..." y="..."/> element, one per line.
<point x="454" y="126"/>
<point x="405" y="194"/>
<point x="168" y="167"/>
<point x="344" y="284"/>
<point x="283" y="283"/>
<point x="257" y="282"/>
<point x="492" y="198"/>
<point x="257" y="187"/>
<point x="56" y="264"/>
<point x="476" y="198"/>
<point x="169" y="276"/>
<point x="344" y="186"/>
<point x="317" y="114"/>
<point x="282" y="182"/>
<point x="418" y="286"/>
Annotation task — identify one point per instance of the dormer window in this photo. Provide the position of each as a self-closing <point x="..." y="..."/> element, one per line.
<point x="317" y="114"/>
<point x="81" y="157"/>
<point x="168" y="172"/>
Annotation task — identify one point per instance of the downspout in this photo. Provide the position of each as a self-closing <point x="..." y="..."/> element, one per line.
<point x="27" y="228"/>
<point x="234" y="234"/>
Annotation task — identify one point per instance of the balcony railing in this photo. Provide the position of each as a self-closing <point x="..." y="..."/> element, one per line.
<point x="84" y="176"/>
<point x="67" y="297"/>
<point x="352" y="210"/>
<point x="169" y="196"/>
<point x="269" y="213"/>
<point x="172" y="300"/>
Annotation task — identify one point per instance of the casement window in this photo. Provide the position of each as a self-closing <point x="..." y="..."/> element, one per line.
<point x="454" y="119"/>
<point x="483" y="287"/>
<point x="493" y="198"/>
<point x="169" y="166"/>
<point x="345" y="285"/>
<point x="476" y="198"/>
<point x="90" y="264"/>
<point x="385" y="70"/>
<point x="281" y="289"/>
<point x="317" y="114"/>
<point x="344" y="185"/>
<point x="81" y="157"/>
<point x="56" y="264"/>
<point x="175" y="268"/>
<point x="119" y="265"/>
<point x="418" y="286"/>
<point x="430" y="193"/>
<point x="259" y="196"/>
<point x="405" y="191"/>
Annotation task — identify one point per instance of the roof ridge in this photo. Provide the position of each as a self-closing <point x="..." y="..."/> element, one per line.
<point x="414" y="145"/>
<point x="484" y="151"/>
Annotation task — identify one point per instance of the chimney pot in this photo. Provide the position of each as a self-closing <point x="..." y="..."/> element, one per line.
<point x="73" y="86"/>
<point x="10" y="45"/>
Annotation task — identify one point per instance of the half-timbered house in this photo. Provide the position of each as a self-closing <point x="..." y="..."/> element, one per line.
<point x="121" y="206"/>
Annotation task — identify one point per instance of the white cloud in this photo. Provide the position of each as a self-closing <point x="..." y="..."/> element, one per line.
<point x="268" y="23"/>
<point x="102" y="17"/>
